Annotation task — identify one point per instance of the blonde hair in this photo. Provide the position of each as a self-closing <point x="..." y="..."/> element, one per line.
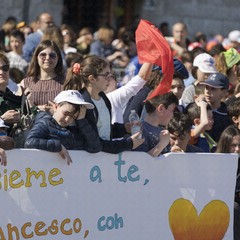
<point x="105" y="33"/>
<point x="220" y="64"/>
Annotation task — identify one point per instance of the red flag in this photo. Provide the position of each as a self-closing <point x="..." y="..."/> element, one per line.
<point x="152" y="47"/>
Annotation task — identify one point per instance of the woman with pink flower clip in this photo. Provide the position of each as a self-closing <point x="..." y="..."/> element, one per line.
<point x="91" y="77"/>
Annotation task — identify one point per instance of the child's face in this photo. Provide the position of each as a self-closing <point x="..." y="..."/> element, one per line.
<point x="236" y="121"/>
<point x="65" y="114"/>
<point x="181" y="141"/>
<point x="168" y="114"/>
<point x="177" y="87"/>
<point x="235" y="145"/>
<point x="213" y="95"/>
<point x="201" y="76"/>
<point x="112" y="83"/>
<point x="102" y="80"/>
<point x="16" y="43"/>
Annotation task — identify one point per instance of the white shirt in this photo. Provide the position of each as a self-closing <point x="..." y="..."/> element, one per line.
<point x="119" y="97"/>
<point x="103" y="124"/>
<point x="69" y="50"/>
<point x="16" y="61"/>
<point x="12" y="86"/>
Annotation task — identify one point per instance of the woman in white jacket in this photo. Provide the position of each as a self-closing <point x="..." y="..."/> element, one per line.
<point x="119" y="97"/>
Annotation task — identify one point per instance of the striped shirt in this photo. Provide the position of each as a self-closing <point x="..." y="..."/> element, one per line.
<point x="43" y="91"/>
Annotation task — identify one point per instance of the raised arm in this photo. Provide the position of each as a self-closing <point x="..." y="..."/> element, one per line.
<point x="200" y="128"/>
<point x="145" y="71"/>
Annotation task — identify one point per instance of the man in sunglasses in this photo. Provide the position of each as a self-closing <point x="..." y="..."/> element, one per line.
<point x="44" y="21"/>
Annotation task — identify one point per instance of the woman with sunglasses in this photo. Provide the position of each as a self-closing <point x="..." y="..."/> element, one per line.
<point x="45" y="75"/>
<point x="91" y="77"/>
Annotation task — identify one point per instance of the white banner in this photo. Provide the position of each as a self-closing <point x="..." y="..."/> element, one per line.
<point x="114" y="197"/>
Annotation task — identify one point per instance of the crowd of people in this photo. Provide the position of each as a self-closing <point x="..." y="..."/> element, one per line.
<point x="40" y="60"/>
<point x="78" y="100"/>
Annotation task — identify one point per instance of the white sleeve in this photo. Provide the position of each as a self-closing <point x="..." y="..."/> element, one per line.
<point x="120" y="96"/>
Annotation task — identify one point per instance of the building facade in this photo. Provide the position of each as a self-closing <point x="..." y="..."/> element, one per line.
<point x="209" y="17"/>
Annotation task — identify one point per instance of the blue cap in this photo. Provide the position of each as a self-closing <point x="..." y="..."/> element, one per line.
<point x="217" y="80"/>
<point x="178" y="67"/>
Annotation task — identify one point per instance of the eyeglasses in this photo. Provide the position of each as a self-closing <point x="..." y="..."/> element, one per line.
<point x="44" y="55"/>
<point x="107" y="75"/>
<point x="5" y="68"/>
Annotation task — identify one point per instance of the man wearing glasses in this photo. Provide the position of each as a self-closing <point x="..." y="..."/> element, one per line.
<point x="44" y="21"/>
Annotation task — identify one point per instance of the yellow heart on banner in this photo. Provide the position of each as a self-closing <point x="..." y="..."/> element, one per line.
<point x="211" y="224"/>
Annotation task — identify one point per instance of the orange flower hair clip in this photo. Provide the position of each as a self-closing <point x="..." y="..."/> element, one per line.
<point x="76" y="68"/>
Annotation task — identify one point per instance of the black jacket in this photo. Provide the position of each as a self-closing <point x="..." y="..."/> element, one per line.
<point x="136" y="103"/>
<point x="117" y="129"/>
<point x="47" y="134"/>
<point x="221" y="121"/>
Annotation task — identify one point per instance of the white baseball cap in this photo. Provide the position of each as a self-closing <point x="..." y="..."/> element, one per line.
<point x="72" y="96"/>
<point x="205" y="63"/>
<point x="234" y="36"/>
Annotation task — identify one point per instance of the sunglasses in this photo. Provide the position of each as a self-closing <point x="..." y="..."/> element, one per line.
<point x="44" y="55"/>
<point x="5" y="68"/>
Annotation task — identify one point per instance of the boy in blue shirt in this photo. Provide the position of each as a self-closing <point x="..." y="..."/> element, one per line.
<point x="159" y="112"/>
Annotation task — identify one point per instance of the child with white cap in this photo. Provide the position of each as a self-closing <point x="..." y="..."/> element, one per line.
<point x="57" y="132"/>
<point x="203" y="66"/>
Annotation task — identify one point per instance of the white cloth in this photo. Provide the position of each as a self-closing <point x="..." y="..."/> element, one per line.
<point x="70" y="50"/>
<point x="103" y="124"/>
<point x="188" y="81"/>
<point x="12" y="86"/>
<point x="119" y="97"/>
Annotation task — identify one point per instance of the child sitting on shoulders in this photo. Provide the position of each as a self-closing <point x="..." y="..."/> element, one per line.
<point x="57" y="132"/>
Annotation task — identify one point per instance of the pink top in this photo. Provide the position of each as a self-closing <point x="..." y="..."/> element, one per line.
<point x="43" y="91"/>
